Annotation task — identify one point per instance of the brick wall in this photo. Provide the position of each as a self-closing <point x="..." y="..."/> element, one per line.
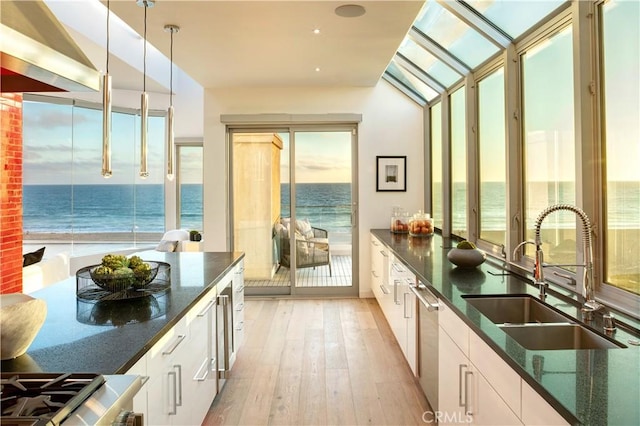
<point x="11" y="193"/>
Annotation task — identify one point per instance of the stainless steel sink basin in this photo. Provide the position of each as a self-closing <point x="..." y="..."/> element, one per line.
<point x="557" y="336"/>
<point x="516" y="309"/>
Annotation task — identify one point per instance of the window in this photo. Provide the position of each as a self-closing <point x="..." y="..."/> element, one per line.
<point x="492" y="158"/>
<point x="549" y="143"/>
<point x="437" y="212"/>
<point x="621" y="132"/>
<point x="189" y="166"/>
<point x="64" y="193"/>
<point x="458" y="164"/>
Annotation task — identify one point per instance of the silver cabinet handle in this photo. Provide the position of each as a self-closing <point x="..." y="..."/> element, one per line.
<point x="178" y="368"/>
<point x="206" y="308"/>
<point x="240" y="326"/>
<point x="214" y="365"/>
<point x="407" y="304"/>
<point x="467" y="410"/>
<point x="174" y="410"/>
<point x="374" y="242"/>
<point x="203" y="367"/>
<point x="398" y="267"/>
<point x="395" y="292"/>
<point x="384" y="290"/>
<point x="240" y="289"/>
<point x="460" y="402"/>
<point x="374" y="274"/>
<point x="239" y="307"/>
<point x="384" y="253"/>
<point x="173" y="347"/>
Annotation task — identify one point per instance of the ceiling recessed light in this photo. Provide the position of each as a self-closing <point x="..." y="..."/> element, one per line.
<point x="317" y="69"/>
<point x="316" y="30"/>
<point x="350" y="10"/>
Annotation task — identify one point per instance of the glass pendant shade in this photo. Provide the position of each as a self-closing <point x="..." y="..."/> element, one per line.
<point x="106" y="112"/>
<point x="106" y="126"/>
<point x="170" y="143"/>
<point x="144" y="116"/>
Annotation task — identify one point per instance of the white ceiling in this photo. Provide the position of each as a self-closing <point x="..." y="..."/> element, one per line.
<point x="268" y="43"/>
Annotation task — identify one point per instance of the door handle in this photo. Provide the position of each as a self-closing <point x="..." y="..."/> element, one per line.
<point x="467" y="410"/>
<point x="179" y="340"/>
<point x="178" y="368"/>
<point x="174" y="409"/>
<point x="206" y="308"/>
<point x="460" y="375"/>
<point x="201" y="378"/>
<point x="384" y="289"/>
<point x="407" y="304"/>
<point x="395" y="292"/>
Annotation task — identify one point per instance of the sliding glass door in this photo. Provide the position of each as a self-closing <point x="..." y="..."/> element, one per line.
<point x="294" y="209"/>
<point x="324" y="205"/>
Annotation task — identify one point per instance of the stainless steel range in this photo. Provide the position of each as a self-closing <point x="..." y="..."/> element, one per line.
<point x="72" y="398"/>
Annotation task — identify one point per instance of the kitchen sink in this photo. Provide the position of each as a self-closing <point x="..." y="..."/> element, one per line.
<point x="515" y="309"/>
<point x="557" y="336"/>
<point x="536" y="325"/>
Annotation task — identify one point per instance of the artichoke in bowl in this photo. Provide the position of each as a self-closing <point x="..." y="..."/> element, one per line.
<point x="118" y="273"/>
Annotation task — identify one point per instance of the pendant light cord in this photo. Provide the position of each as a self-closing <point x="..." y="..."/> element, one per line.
<point x="144" y="60"/>
<point x="108" y="15"/>
<point x="171" y="72"/>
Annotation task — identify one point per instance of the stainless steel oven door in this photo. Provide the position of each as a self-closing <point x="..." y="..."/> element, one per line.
<point x="108" y="402"/>
<point x="428" y="350"/>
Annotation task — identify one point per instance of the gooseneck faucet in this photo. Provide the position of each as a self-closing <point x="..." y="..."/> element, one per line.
<point x="590" y="305"/>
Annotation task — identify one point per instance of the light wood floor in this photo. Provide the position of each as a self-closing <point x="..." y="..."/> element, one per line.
<point x="312" y="277"/>
<point x="318" y="362"/>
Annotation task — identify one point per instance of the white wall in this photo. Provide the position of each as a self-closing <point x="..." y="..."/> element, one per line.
<point x="391" y="124"/>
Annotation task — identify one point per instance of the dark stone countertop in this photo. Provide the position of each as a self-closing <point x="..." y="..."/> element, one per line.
<point x="591" y="387"/>
<point x="66" y="343"/>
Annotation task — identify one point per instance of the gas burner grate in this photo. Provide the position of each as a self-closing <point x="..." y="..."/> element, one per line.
<point x="43" y="398"/>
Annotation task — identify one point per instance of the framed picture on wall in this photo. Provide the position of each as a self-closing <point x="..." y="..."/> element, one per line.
<point x="391" y="173"/>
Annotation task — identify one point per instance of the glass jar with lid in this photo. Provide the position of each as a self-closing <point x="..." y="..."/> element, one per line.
<point x="399" y="221"/>
<point x="421" y="225"/>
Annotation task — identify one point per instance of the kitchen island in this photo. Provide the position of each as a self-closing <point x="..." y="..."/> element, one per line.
<point x="587" y="386"/>
<point x="67" y="343"/>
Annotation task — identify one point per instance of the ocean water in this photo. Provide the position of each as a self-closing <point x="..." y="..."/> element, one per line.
<point x="104" y="208"/>
<point x="325" y="205"/>
<point x="140" y="208"/>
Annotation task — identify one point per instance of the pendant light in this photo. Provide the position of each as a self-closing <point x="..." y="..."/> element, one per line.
<point x="172" y="29"/>
<point x="144" y="99"/>
<point x="106" y="112"/>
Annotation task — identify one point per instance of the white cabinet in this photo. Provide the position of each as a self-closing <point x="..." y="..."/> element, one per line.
<point x="379" y="269"/>
<point x="140" y="399"/>
<point x="182" y="366"/>
<point x="200" y="380"/>
<point x="536" y="411"/>
<point x="390" y="280"/>
<point x="402" y="316"/>
<point x="238" y="308"/>
<point x="165" y="367"/>
<point x="465" y="394"/>
<point x="475" y="384"/>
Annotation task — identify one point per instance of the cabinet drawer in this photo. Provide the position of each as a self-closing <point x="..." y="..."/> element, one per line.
<point x="167" y="347"/>
<point x="455" y="327"/>
<point x="537" y="411"/>
<point x="497" y="372"/>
